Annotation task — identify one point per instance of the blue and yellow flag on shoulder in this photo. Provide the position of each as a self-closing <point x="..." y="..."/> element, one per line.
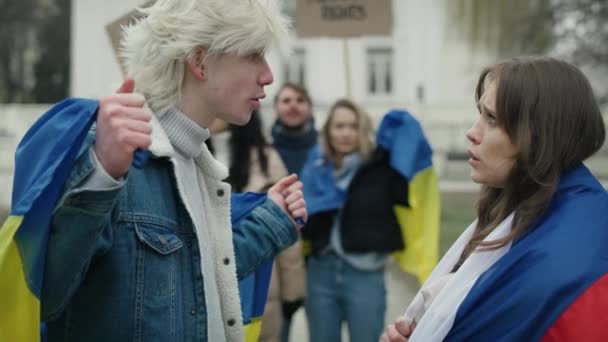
<point x="411" y="155"/>
<point x="43" y="161"/>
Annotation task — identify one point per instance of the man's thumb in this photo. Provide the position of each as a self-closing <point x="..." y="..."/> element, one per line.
<point x="285" y="182"/>
<point x="128" y="86"/>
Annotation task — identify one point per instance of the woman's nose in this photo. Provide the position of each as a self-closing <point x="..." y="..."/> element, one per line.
<point x="473" y="134"/>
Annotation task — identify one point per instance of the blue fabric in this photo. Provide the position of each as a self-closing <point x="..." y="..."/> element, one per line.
<point x="100" y="242"/>
<point x="254" y="292"/>
<point x="320" y="190"/>
<point x="254" y="288"/>
<point x="337" y="292"/>
<point x="401" y="134"/>
<point x="241" y="204"/>
<point x="42" y="151"/>
<point x="42" y="162"/>
<point x="43" y="332"/>
<point x="524" y="292"/>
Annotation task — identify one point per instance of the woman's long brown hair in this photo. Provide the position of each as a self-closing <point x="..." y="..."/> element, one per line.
<point x="548" y="110"/>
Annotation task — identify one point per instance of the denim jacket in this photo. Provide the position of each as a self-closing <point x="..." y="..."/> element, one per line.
<point x="123" y="264"/>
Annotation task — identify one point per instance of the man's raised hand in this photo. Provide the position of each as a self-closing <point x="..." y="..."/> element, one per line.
<point x="123" y="126"/>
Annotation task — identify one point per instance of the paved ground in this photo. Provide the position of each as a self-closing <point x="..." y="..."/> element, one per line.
<point x="401" y="288"/>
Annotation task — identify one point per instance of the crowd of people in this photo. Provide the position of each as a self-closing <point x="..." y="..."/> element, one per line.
<point x="149" y="239"/>
<point x="350" y="188"/>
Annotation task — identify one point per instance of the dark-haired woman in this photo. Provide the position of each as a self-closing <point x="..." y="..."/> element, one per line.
<point x="534" y="265"/>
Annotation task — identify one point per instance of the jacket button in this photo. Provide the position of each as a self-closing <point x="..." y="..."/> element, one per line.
<point x="220" y="192"/>
<point x="231" y="322"/>
<point x="226" y="261"/>
<point x="193" y="312"/>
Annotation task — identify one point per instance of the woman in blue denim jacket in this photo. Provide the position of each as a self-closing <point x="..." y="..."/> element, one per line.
<point x="148" y="254"/>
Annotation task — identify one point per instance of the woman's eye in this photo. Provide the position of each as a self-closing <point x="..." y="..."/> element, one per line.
<point x="491" y="119"/>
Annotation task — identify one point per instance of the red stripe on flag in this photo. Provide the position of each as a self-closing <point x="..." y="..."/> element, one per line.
<point x="584" y="320"/>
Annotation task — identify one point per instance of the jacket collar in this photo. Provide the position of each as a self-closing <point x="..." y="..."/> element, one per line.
<point x="161" y="147"/>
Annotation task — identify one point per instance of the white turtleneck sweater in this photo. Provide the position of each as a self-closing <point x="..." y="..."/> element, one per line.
<point x="187" y="138"/>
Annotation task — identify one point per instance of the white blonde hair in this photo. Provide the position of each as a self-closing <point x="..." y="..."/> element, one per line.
<point x="155" y="47"/>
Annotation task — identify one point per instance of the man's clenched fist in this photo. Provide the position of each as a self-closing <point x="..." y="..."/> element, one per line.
<point x="123" y="126"/>
<point x="287" y="194"/>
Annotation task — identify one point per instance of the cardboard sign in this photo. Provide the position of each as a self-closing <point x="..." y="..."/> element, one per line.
<point x="114" y="31"/>
<point x="343" y="18"/>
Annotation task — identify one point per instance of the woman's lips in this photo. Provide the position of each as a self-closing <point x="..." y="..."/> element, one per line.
<point x="472" y="155"/>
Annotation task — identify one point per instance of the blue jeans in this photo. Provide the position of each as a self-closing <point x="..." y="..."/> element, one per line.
<point x="338" y="293"/>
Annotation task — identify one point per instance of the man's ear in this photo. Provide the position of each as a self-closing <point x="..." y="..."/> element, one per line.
<point x="195" y="64"/>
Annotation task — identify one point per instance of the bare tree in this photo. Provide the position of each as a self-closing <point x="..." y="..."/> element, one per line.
<point x="504" y="27"/>
<point x="18" y="19"/>
<point x="52" y="70"/>
<point x="582" y="31"/>
<point x="575" y="30"/>
<point x="35" y="39"/>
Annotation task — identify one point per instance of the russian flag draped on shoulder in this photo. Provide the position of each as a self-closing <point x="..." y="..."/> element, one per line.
<point x="43" y="161"/>
<point x="411" y="155"/>
<point x="552" y="285"/>
<point x="549" y="285"/>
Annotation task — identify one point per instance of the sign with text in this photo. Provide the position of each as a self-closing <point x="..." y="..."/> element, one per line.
<point x="343" y="18"/>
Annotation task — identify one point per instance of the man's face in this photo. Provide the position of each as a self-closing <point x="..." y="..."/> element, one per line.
<point x="292" y="108"/>
<point x="235" y="86"/>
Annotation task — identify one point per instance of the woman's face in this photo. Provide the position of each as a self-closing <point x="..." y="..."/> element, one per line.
<point x="492" y="154"/>
<point x="343" y="130"/>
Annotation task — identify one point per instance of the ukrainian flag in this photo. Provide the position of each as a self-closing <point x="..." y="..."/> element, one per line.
<point x="411" y="155"/>
<point x="253" y="290"/>
<point x="43" y="161"/>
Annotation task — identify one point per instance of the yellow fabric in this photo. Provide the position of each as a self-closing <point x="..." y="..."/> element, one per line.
<point x="420" y="225"/>
<point x="19" y="308"/>
<point x="306" y="247"/>
<point x="253" y="329"/>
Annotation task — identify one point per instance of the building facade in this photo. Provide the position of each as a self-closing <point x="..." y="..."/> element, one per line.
<point x="425" y="66"/>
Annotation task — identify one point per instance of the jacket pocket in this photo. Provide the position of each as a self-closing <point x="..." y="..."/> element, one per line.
<point x="158" y="273"/>
<point x="160" y="239"/>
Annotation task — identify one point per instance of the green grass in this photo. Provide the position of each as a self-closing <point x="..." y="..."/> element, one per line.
<point x="457" y="212"/>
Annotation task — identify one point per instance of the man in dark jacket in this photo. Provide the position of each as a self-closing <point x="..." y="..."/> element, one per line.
<point x="293" y="134"/>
